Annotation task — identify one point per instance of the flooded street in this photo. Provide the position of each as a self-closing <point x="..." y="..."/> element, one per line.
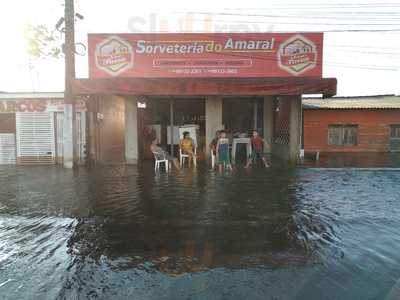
<point x="121" y="232"/>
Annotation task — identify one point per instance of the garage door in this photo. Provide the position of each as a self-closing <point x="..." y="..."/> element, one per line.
<point x="35" y="138"/>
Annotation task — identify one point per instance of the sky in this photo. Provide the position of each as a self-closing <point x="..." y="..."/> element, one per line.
<point x="364" y="58"/>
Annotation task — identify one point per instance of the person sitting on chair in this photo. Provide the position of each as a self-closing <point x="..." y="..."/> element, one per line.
<point x="155" y="148"/>
<point x="187" y="146"/>
<point x="257" y="144"/>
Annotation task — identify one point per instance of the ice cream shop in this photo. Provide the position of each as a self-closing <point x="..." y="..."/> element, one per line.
<point x="142" y="86"/>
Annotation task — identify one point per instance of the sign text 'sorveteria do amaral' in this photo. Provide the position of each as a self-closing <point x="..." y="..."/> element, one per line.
<point x="206" y="55"/>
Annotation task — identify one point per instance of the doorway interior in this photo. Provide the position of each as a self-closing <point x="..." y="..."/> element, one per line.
<point x="157" y="114"/>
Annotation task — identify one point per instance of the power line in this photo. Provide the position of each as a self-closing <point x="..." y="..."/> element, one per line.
<point x="364" y="30"/>
<point x="300" y="23"/>
<point x="370" y="52"/>
<point x="230" y="14"/>
<point x="359" y="16"/>
<point x="303" y="31"/>
<point x="358" y="46"/>
<point x="325" y="5"/>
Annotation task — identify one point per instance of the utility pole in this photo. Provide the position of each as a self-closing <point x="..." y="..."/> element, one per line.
<point x="69" y="101"/>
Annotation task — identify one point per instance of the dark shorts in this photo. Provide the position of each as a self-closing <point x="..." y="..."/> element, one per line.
<point x="223" y="158"/>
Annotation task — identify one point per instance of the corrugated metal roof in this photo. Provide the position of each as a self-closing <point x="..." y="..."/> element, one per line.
<point x="39" y="95"/>
<point x="367" y="102"/>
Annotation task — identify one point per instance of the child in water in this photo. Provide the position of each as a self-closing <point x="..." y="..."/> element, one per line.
<point x="222" y="150"/>
<point x="257" y="144"/>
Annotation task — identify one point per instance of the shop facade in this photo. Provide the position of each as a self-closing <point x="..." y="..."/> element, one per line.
<point x="149" y="85"/>
<point x="31" y="128"/>
<point x="352" y="124"/>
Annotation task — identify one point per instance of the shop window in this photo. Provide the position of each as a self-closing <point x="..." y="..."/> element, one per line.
<point x="342" y="135"/>
<point x="395" y="131"/>
<point x="395" y="138"/>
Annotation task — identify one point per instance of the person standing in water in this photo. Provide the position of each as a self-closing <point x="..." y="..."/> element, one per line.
<point x="222" y="152"/>
<point x="257" y="145"/>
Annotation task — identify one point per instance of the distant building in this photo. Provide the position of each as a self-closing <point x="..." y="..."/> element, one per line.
<point x="352" y="124"/>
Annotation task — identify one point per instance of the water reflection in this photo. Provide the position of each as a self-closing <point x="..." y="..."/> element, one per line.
<point x="191" y="221"/>
<point x="126" y="232"/>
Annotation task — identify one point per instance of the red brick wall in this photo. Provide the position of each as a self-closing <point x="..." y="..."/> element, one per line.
<point x="373" y="129"/>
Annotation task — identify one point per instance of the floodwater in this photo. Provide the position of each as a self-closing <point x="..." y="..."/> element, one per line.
<point x="121" y="232"/>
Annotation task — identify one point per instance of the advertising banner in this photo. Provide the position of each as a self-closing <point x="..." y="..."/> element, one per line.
<point x="205" y="55"/>
<point x="38" y="105"/>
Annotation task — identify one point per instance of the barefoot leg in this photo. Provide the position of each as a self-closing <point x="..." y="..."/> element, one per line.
<point x="248" y="163"/>
<point x="265" y="162"/>
<point x="176" y="163"/>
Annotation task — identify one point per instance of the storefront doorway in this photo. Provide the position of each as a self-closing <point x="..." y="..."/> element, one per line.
<point x="242" y="115"/>
<point x="155" y="116"/>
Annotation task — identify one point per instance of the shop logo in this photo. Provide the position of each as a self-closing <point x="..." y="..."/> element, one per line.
<point x="114" y="55"/>
<point x="297" y="55"/>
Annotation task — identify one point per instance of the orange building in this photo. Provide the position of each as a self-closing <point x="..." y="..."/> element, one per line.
<point x="352" y="124"/>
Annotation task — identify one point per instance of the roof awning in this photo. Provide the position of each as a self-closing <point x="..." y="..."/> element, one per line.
<point x="360" y="102"/>
<point x="206" y="86"/>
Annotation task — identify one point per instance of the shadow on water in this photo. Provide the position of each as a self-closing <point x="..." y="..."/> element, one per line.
<point x="128" y="233"/>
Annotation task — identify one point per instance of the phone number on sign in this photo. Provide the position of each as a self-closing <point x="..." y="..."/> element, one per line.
<point x="205" y="71"/>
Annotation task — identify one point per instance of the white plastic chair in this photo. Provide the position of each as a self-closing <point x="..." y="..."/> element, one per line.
<point x="159" y="159"/>
<point x="182" y="157"/>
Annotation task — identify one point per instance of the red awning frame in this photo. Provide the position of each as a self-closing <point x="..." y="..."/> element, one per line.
<point x="260" y="86"/>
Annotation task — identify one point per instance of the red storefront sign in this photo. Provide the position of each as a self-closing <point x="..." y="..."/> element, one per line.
<point x="206" y="55"/>
<point x="33" y="105"/>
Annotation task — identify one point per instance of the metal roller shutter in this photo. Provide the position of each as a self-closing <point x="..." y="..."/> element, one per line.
<point x="7" y="149"/>
<point x="35" y="138"/>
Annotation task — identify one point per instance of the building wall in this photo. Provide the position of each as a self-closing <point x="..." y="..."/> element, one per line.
<point x="373" y="129"/>
<point x="287" y="129"/>
<point x="7" y="123"/>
